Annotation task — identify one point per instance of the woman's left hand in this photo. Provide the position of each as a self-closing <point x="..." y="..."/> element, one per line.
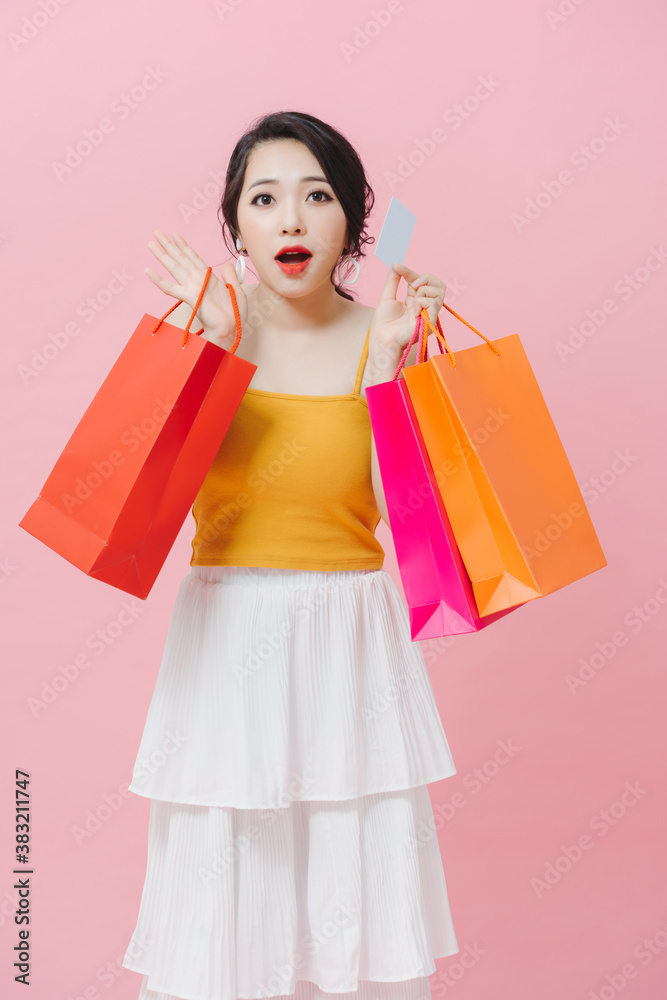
<point x="393" y="322"/>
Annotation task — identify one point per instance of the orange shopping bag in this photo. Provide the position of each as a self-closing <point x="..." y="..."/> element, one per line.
<point x="120" y="491"/>
<point x="515" y="507"/>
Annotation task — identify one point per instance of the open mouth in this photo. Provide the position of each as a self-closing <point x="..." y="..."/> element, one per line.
<point x="293" y="257"/>
<point x="293" y="262"/>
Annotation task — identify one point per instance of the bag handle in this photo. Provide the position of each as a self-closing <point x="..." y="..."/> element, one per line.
<point x="422" y="351"/>
<point x="186" y="332"/>
<point x="423" y="324"/>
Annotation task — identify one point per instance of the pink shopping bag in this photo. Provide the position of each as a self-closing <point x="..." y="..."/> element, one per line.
<point x="436" y="584"/>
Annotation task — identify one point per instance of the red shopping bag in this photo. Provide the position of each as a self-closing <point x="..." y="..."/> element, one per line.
<point x="437" y="588"/>
<point x="120" y="491"/>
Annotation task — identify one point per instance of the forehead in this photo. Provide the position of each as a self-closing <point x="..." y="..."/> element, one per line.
<point x="285" y="159"/>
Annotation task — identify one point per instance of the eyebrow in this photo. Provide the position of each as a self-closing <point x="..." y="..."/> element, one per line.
<point x="274" y="180"/>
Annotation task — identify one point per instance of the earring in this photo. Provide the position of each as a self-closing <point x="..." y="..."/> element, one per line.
<point x="241" y="261"/>
<point x="345" y="260"/>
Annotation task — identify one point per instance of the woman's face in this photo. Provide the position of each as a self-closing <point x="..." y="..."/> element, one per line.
<point x="287" y="202"/>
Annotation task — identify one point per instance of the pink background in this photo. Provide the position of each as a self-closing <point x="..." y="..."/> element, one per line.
<point x="600" y="927"/>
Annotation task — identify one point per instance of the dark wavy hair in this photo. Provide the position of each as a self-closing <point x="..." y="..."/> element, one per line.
<point x="338" y="159"/>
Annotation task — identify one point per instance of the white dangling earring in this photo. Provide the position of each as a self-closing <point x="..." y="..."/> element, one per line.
<point x="357" y="268"/>
<point x="240" y="260"/>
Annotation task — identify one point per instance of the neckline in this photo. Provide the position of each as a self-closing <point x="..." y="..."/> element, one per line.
<point x="292" y="395"/>
<point x="355" y="394"/>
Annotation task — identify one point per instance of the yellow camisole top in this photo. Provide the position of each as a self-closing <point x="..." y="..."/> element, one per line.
<point x="291" y="485"/>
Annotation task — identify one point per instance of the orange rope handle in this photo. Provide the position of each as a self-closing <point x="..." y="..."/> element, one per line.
<point x="196" y="307"/>
<point x="237" y="317"/>
<point x="423" y="348"/>
<point x="194" y="311"/>
<point x="186" y="332"/>
<point x="440" y="335"/>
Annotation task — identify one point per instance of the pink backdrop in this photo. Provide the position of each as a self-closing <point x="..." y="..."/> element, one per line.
<point x="528" y="138"/>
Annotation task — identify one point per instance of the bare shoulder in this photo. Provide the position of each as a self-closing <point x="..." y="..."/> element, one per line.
<point x="359" y="313"/>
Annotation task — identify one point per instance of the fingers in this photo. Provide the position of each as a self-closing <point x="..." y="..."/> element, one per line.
<point x="405" y="272"/>
<point x="429" y="290"/>
<point x="171" y="256"/>
<point x="167" y="260"/>
<point x="390" y="286"/>
<point x="174" y="251"/>
<point x="228" y="275"/>
<point x="188" y="252"/>
<point x="435" y="286"/>
<point x="169" y="287"/>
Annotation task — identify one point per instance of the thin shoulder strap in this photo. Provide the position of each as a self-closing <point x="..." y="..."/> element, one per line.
<point x="362" y="363"/>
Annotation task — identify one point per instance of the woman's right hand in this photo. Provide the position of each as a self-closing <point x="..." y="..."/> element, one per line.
<point x="216" y="311"/>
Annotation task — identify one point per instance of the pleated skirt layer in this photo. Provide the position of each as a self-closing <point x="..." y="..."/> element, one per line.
<point x="289" y="741"/>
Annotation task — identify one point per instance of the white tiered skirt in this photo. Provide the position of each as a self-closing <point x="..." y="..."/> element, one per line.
<point x="291" y="842"/>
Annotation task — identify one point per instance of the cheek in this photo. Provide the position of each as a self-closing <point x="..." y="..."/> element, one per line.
<point x="332" y="233"/>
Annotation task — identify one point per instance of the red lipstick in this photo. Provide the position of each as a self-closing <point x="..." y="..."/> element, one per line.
<point x="293" y="259"/>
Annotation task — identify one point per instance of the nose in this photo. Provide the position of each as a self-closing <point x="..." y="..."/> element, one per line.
<point x="291" y="221"/>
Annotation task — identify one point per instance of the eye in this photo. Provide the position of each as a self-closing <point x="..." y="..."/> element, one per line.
<point x="319" y="201"/>
<point x="327" y="196"/>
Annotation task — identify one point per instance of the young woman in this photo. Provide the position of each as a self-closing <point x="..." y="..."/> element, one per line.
<point x="293" y="731"/>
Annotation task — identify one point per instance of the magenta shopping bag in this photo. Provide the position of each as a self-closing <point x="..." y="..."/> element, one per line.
<point x="436" y="584"/>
